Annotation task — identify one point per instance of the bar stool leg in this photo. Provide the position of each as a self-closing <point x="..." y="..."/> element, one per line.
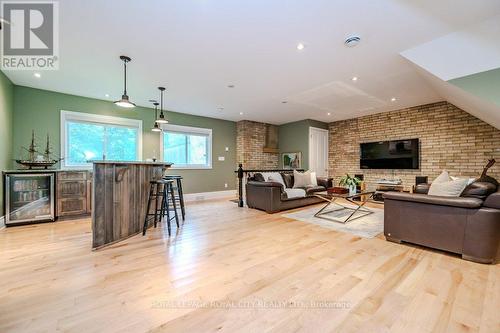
<point x="181" y="197"/>
<point x="158" y="187"/>
<point x="164" y="197"/>
<point x="145" y="226"/>
<point x="167" y="209"/>
<point x="172" y="195"/>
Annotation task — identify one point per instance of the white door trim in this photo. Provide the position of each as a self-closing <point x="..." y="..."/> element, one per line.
<point x="311" y="129"/>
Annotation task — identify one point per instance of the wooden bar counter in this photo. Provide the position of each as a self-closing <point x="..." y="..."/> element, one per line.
<point x="119" y="196"/>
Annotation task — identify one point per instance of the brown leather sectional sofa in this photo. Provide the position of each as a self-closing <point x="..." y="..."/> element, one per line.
<point x="468" y="225"/>
<point x="272" y="197"/>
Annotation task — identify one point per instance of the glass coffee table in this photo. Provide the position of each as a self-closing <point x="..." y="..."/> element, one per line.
<point x="330" y="199"/>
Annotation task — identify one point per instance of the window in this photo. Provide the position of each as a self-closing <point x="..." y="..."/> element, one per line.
<point x="187" y="147"/>
<point x="87" y="137"/>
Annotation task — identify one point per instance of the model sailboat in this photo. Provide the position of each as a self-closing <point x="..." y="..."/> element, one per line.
<point x="38" y="161"/>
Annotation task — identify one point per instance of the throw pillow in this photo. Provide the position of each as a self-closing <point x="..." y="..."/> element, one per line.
<point x="273" y="177"/>
<point x="480" y="190"/>
<point x="314" y="179"/>
<point x="450" y="188"/>
<point x="258" y="177"/>
<point x="288" y="178"/>
<point x="301" y="179"/>
<point x="443" y="177"/>
<point x="469" y="180"/>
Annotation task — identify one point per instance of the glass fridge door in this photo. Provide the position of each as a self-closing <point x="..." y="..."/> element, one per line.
<point x="30" y="197"/>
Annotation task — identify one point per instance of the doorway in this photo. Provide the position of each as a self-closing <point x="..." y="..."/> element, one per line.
<point x="318" y="151"/>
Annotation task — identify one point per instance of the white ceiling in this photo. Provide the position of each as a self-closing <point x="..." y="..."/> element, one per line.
<point x="197" y="47"/>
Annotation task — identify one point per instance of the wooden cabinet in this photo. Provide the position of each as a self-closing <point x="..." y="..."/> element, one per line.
<point x="73" y="191"/>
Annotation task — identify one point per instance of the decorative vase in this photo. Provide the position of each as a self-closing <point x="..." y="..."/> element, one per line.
<point x="352" y="189"/>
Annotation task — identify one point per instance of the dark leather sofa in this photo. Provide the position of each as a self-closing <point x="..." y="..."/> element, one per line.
<point x="468" y="225"/>
<point x="271" y="196"/>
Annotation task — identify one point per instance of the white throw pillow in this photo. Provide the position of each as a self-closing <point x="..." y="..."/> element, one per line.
<point x="450" y="188"/>
<point x="301" y="179"/>
<point x="469" y="180"/>
<point x="443" y="177"/>
<point x="314" y="180"/>
<point x="273" y="177"/>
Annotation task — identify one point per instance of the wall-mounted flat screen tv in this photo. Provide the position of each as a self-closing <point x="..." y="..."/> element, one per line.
<point x="396" y="154"/>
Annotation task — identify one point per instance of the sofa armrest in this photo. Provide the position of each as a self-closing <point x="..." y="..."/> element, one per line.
<point x="422" y="188"/>
<point x="493" y="200"/>
<point x="326" y="182"/>
<point x="435" y="200"/>
<point x="264" y="195"/>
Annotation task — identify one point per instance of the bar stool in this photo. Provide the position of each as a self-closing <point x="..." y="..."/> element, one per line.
<point x="161" y="191"/>
<point x="178" y="188"/>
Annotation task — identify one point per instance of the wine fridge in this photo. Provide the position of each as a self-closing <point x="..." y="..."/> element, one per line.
<point x="29" y="197"/>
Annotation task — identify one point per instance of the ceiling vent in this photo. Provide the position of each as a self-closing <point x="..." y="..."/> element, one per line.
<point x="352" y="41"/>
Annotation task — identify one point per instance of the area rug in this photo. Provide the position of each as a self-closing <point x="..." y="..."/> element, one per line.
<point x="367" y="226"/>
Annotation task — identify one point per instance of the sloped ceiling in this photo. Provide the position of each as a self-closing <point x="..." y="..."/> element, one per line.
<point x="464" y="68"/>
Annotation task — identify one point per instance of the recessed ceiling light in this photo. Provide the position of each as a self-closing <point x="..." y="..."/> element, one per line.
<point x="106" y="95"/>
<point x="393" y="99"/>
<point x="300" y="46"/>
<point x="355" y="78"/>
<point x="241" y="113"/>
<point x="284" y="102"/>
<point x="328" y="114"/>
<point x="37" y="75"/>
<point x="230" y="85"/>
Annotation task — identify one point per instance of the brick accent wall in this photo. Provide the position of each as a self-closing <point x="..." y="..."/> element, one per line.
<point x="450" y="139"/>
<point x="250" y="141"/>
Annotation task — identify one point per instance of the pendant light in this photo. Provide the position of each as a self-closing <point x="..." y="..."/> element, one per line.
<point x="156" y="127"/>
<point x="161" y="119"/>
<point x="125" y="102"/>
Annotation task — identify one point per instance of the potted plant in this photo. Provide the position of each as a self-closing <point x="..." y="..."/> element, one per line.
<point x="350" y="183"/>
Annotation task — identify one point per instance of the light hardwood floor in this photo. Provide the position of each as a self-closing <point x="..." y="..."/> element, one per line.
<point x="222" y="265"/>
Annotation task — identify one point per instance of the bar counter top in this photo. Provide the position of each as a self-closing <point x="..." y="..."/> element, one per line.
<point x="132" y="162"/>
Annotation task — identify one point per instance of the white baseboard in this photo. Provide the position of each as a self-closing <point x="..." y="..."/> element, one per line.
<point x="209" y="195"/>
<point x="2" y="222"/>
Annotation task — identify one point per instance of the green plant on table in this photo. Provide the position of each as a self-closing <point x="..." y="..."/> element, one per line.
<point x="348" y="181"/>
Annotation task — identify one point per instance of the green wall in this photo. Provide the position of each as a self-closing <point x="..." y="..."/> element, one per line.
<point x="6" y="112"/>
<point x="294" y="137"/>
<point x="40" y="110"/>
<point x="484" y="85"/>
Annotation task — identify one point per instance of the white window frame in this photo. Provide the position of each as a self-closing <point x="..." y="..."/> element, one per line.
<point x="98" y="119"/>
<point x="188" y="130"/>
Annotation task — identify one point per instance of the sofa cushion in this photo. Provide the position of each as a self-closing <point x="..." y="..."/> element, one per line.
<point x="443" y="177"/>
<point x="326" y="182"/>
<point x="258" y="177"/>
<point x="273" y="177"/>
<point x="479" y="190"/>
<point x="301" y="179"/>
<point x="314" y="180"/>
<point x="288" y="179"/>
<point x="310" y="190"/>
<point x="292" y="193"/>
<point x="450" y="188"/>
